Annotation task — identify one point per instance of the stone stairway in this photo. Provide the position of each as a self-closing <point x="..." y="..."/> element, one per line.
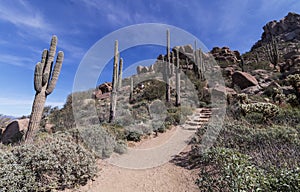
<point x="197" y="119"/>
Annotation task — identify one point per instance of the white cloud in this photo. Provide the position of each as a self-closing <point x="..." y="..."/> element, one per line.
<point x="20" y="13"/>
<point x="16" y="61"/>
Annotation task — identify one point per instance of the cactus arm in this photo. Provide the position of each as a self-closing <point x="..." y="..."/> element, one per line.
<point x="50" y="59"/>
<point x="38" y="77"/>
<point x="56" y="72"/>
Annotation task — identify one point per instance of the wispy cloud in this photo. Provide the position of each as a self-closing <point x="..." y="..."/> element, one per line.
<point x="20" y="13"/>
<point x="120" y="14"/>
<point x="16" y="61"/>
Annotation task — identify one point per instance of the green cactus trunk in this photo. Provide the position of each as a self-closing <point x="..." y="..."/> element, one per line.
<point x="131" y="89"/>
<point x="177" y="80"/>
<point x="45" y="78"/>
<point x="120" y="73"/>
<point x="167" y="69"/>
<point x="113" y="99"/>
<point x="272" y="52"/>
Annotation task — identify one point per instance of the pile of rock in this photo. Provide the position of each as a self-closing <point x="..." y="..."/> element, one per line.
<point x="103" y="91"/>
<point x="225" y="55"/>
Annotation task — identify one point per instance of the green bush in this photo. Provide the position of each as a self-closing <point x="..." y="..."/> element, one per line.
<point x="53" y="163"/>
<point x="228" y="170"/>
<point x="98" y="139"/>
<point x="132" y="135"/>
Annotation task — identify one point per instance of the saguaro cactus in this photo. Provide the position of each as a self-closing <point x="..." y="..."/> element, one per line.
<point x="167" y="69"/>
<point x="177" y="79"/>
<point x="272" y="52"/>
<point x="120" y="73"/>
<point x="113" y="99"/>
<point x="131" y="89"/>
<point x="45" y="78"/>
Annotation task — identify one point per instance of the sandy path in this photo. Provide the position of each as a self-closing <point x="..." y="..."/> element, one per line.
<point x="168" y="177"/>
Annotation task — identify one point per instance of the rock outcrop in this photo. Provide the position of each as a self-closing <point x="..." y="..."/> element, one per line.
<point x="287" y="29"/>
<point x="225" y="55"/>
<point x="103" y="90"/>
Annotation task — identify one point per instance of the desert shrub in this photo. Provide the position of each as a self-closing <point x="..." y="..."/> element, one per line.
<point x="228" y="170"/>
<point x="116" y="130"/>
<point x="271" y="146"/>
<point x="120" y="147"/>
<point x="133" y="135"/>
<point x="98" y="139"/>
<point x="288" y="117"/>
<point x="53" y="163"/>
<point x="177" y="115"/>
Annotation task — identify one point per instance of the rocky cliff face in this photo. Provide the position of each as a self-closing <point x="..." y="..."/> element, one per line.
<point x="287" y="29"/>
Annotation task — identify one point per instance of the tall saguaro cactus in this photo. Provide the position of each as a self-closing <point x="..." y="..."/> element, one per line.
<point x="113" y="99"/>
<point x="177" y="79"/>
<point x="167" y="69"/>
<point x="45" y="78"/>
<point x="272" y="52"/>
<point x="131" y="89"/>
<point x="199" y="62"/>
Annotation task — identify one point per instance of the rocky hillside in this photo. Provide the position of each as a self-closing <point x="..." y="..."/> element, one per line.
<point x="286" y="30"/>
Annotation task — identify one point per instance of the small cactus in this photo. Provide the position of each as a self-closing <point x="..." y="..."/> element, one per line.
<point x="45" y="78"/>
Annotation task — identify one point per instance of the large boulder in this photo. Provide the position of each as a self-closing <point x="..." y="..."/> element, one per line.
<point x="14" y="131"/>
<point x="243" y="79"/>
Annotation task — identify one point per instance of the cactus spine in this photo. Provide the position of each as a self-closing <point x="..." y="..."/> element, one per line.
<point x="113" y="98"/>
<point x="45" y="78"/>
<point x="167" y="68"/>
<point x="177" y="79"/>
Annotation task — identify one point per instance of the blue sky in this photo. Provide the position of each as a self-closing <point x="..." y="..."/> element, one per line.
<point x="26" y="27"/>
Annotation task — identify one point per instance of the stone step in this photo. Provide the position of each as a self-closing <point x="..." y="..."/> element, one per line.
<point x="201" y="120"/>
<point x="194" y="123"/>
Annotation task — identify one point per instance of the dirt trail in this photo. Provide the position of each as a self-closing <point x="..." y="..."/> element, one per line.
<point x="169" y="177"/>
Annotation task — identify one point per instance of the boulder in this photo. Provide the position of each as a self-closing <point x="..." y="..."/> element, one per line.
<point x="243" y="80"/>
<point x="102" y="89"/>
<point x="14" y="131"/>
